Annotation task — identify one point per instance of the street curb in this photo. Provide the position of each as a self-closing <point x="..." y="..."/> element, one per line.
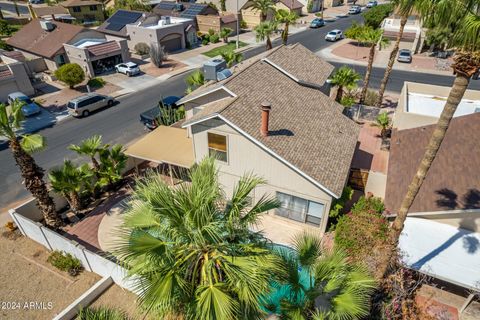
<point x="327" y="55"/>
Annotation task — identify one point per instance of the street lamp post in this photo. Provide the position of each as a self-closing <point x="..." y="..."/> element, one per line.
<point x="238" y="28"/>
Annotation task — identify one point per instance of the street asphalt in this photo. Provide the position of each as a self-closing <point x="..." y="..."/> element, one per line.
<point x="120" y="124"/>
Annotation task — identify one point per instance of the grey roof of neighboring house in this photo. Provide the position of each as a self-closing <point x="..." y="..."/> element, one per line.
<point x="307" y="129"/>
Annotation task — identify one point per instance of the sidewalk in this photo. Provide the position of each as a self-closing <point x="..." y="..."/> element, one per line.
<point x="347" y="51"/>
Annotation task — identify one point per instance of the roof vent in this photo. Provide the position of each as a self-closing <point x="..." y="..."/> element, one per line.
<point x="47" y="25"/>
<point x="178" y="7"/>
<point x="223" y="74"/>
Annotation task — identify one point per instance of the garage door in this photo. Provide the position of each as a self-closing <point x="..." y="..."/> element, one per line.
<point x="172" y="44"/>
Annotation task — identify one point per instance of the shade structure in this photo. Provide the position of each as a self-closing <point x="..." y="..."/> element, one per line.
<point x="442" y="251"/>
<point x="164" y="145"/>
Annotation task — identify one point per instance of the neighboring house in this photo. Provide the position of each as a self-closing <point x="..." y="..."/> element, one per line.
<point x="421" y="104"/>
<point x="450" y="192"/>
<point x="116" y="24"/>
<point x="59" y="43"/>
<point x="85" y="11"/>
<point x="217" y="22"/>
<point x="271" y="118"/>
<point x="57" y="13"/>
<point x="332" y="3"/>
<point x="185" y="10"/>
<point x="291" y="5"/>
<point x="173" y="33"/>
<point x="14" y="75"/>
<point x="35" y="40"/>
<point x="413" y="34"/>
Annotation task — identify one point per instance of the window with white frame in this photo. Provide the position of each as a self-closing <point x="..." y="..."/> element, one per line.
<point x="300" y="209"/>
<point x="217" y="146"/>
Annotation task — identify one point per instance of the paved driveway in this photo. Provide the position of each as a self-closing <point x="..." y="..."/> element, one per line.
<point x="136" y="82"/>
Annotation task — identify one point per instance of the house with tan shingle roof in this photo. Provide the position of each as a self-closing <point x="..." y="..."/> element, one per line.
<point x="58" y="43"/>
<point x="85" y="11"/>
<point x="270" y="118"/>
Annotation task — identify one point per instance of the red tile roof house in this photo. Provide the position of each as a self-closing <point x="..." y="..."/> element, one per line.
<point x="270" y="118"/>
<point x="59" y="43"/>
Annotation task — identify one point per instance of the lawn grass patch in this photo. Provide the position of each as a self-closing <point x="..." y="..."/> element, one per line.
<point x="230" y="46"/>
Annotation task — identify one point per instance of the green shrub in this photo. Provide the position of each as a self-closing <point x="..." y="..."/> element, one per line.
<point x="374" y="16"/>
<point x="205" y="41"/>
<point x="142" y="48"/>
<point x="71" y="74"/>
<point x="338" y="204"/>
<point x="65" y="262"/>
<point x="361" y="230"/>
<point x="243" y="24"/>
<point x="211" y="32"/>
<point x="371" y="98"/>
<point x="100" y="313"/>
<point x="215" y="38"/>
<point x="5" y="28"/>
<point x="96" y="82"/>
<point x="5" y="46"/>
<point x="347" y="101"/>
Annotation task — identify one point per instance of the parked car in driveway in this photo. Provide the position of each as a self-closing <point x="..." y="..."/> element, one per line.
<point x="404" y="55"/>
<point x="149" y="117"/>
<point x="317" y="23"/>
<point x="128" y="68"/>
<point x="372" y="3"/>
<point x="354" y="10"/>
<point x="86" y="104"/>
<point x="334" y="35"/>
<point x="30" y="108"/>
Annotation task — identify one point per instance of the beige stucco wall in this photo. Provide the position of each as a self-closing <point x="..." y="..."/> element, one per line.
<point x="280" y="5"/>
<point x="469" y="220"/>
<point x="244" y="156"/>
<point x="332" y="3"/>
<point x="147" y="35"/>
<point x="18" y="81"/>
<point x="87" y="14"/>
<point x="405" y="120"/>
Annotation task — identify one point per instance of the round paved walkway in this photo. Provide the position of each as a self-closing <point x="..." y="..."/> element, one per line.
<point x="108" y="233"/>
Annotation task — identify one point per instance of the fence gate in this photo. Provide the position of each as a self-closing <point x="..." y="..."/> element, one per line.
<point x="358" y="179"/>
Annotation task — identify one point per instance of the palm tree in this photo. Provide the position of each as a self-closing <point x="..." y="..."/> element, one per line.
<point x="404" y="8"/>
<point x="225" y="33"/>
<point x="112" y="163"/>
<point x="462" y="14"/>
<point x="344" y="77"/>
<point x="231" y="57"/>
<point x="22" y="146"/>
<point x="327" y="287"/>
<point x="193" y="249"/>
<point x="90" y="147"/>
<point x="287" y="18"/>
<point x="370" y="37"/>
<point x="195" y="80"/>
<point x="383" y="122"/>
<point x="264" y="31"/>
<point x="264" y="7"/>
<point x="69" y="181"/>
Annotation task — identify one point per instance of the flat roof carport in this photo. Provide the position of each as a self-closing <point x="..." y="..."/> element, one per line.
<point x="442" y="251"/>
<point x="164" y="145"/>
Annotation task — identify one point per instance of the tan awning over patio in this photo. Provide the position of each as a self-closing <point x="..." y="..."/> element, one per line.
<point x="164" y="145"/>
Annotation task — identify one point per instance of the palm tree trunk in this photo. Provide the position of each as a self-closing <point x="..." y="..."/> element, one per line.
<point x="285" y="34"/>
<point x="456" y="94"/>
<point x="366" y="80"/>
<point x="339" y="95"/>
<point x="74" y="201"/>
<point x="32" y="176"/>
<point x="391" y="61"/>
<point x="269" y="43"/>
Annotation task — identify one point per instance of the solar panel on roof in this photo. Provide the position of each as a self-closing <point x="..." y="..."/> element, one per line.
<point x="120" y="18"/>
<point x="193" y="10"/>
<point x="166" y="5"/>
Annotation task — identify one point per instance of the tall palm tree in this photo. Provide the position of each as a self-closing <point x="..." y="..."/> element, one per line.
<point x="90" y="147"/>
<point x="287" y="18"/>
<point x="69" y="181"/>
<point x="231" y="57"/>
<point x="344" y="77"/>
<point x="466" y="38"/>
<point x="193" y="249"/>
<point x="327" y="286"/>
<point x="404" y="8"/>
<point x="22" y="146"/>
<point x="264" y="31"/>
<point x="112" y="162"/>
<point x="225" y="33"/>
<point x="370" y="37"/>
<point x="264" y="7"/>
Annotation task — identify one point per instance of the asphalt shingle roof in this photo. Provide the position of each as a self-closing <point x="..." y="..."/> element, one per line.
<point x="453" y="180"/>
<point x="306" y="127"/>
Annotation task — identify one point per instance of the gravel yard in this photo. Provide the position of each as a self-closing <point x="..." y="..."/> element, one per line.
<point x="30" y="287"/>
